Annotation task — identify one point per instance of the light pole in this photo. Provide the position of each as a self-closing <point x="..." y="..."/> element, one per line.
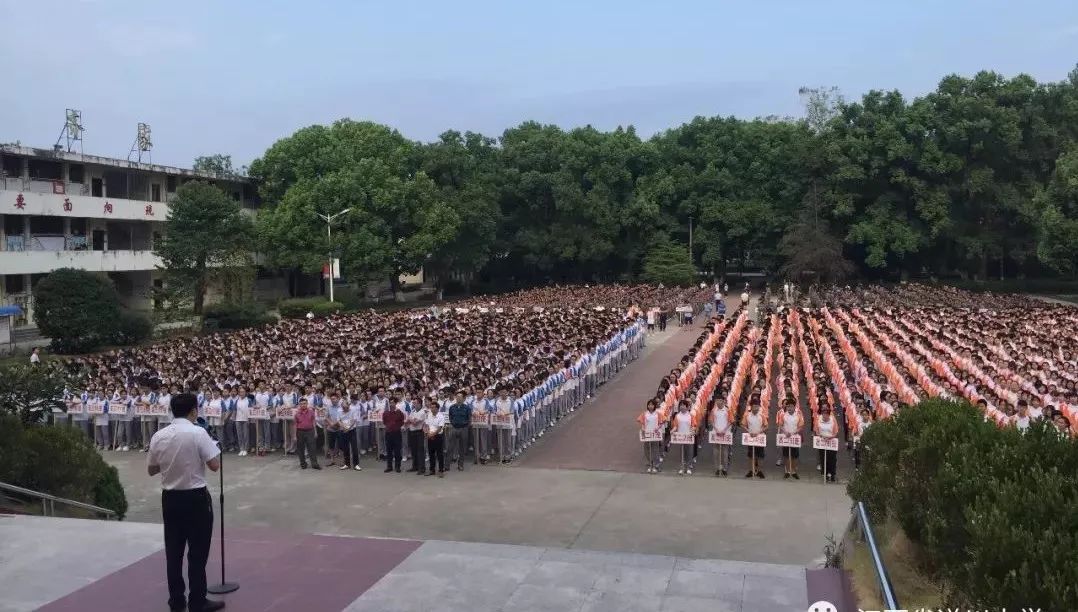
<point x="329" y="235"/>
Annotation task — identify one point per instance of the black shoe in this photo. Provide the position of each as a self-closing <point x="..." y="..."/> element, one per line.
<point x="795" y="476"/>
<point x="748" y="475"/>
<point x="430" y="473"/>
<point x="209" y="606"/>
<point x="724" y="473"/>
<point x="388" y="470"/>
<point x="759" y="474"/>
<point x="398" y="470"/>
<point x="786" y="476"/>
<point x="302" y="467"/>
<point x="316" y="466"/>
<point x="460" y="468"/>
<point x="718" y="472"/>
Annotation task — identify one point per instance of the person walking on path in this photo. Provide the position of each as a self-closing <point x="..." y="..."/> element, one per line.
<point x="305" y="435"/>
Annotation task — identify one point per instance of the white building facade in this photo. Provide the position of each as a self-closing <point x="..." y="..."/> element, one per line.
<point x="69" y="210"/>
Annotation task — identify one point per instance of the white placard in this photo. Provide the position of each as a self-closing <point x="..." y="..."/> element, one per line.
<point x="682" y="438"/>
<point x="788" y="441"/>
<point x="651" y="436"/>
<point x="725" y="439"/>
<point x="821" y="443"/>
<point x="748" y="439"/>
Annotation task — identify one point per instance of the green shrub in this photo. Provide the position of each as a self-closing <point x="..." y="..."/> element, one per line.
<point x="993" y="512"/>
<point x="77" y="310"/>
<point x="669" y="263"/>
<point x="235" y="316"/>
<point x="109" y="493"/>
<point x="297" y="308"/>
<point x="132" y="328"/>
<point x="59" y="461"/>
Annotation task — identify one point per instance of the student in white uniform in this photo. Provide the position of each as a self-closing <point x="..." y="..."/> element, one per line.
<point x="684" y="423"/>
<point x="791" y="423"/>
<point x="649" y="423"/>
<point x="754" y="422"/>
<point x="243" y="416"/>
<point x="165" y="402"/>
<point x="101" y="421"/>
<point x="827" y="427"/>
<point x="413" y="426"/>
<point x="722" y="420"/>
<point x="503" y="406"/>
<point x="864" y="420"/>
<point x="346" y="438"/>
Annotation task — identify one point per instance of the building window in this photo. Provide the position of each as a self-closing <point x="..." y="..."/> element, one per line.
<point x="155" y="192"/>
<point x="76" y="173"/>
<point x="45" y="170"/>
<point x="97" y="188"/>
<point x="12" y="166"/>
<point x="170" y="184"/>
<point x="14" y="283"/>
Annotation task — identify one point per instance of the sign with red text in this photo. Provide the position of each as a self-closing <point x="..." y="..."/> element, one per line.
<point x="213" y="411"/>
<point x="258" y="413"/>
<point x="748" y="439"/>
<point x="375" y="415"/>
<point x="286" y="412"/>
<point x="502" y="421"/>
<point x="788" y="440"/>
<point x="481" y="420"/>
<point x="725" y="439"/>
<point x="651" y="436"/>
<point x="74" y="408"/>
<point x="822" y="443"/>
<point x="682" y="438"/>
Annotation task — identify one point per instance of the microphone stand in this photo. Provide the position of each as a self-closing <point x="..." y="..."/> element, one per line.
<point x="224" y="587"/>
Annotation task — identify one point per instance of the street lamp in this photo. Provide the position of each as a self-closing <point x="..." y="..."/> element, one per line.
<point x="329" y="235"/>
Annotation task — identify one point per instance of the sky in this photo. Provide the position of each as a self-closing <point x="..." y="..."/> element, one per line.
<point x="234" y="76"/>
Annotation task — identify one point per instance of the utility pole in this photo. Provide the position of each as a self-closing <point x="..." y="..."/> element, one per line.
<point x="329" y="236"/>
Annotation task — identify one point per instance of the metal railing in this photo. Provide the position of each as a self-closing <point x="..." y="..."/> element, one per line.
<point x="887" y="591"/>
<point x="48" y="502"/>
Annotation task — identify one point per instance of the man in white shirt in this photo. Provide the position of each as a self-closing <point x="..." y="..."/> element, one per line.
<point x="181" y="452"/>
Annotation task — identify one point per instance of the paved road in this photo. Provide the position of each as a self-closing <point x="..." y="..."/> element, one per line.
<point x="57" y="565"/>
<point x="602" y="434"/>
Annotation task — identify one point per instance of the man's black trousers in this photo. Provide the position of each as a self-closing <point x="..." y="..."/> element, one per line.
<point x="188" y="517"/>
<point x="393" y="449"/>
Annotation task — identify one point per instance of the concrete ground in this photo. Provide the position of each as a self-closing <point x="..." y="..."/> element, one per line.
<point x="94" y="565"/>
<point x="700" y="517"/>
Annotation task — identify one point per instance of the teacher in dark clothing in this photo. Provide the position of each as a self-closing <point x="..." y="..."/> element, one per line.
<point x="460" y="419"/>
<point x="181" y="452"/>
<point x="393" y="420"/>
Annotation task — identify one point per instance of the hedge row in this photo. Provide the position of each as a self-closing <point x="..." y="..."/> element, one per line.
<point x="60" y="461"/>
<point x="1045" y="286"/>
<point x="234" y="316"/>
<point x="994" y="511"/>
<point x="296" y="308"/>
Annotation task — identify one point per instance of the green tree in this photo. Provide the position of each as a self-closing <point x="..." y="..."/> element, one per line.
<point x="218" y="165"/>
<point x="207" y="240"/>
<point x="31" y="393"/>
<point x="1058" y="223"/>
<point x="77" y="310"/>
<point x="669" y="263"/>
<point x="398" y="218"/>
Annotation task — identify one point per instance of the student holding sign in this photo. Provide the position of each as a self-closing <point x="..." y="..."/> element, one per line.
<point x="790" y="422"/>
<point x="683" y="433"/>
<point x="721" y="436"/>
<point x="651" y="435"/>
<point x="826" y="427"/>
<point x="754" y="422"/>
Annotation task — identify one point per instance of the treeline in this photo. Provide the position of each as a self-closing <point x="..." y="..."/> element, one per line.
<point x="977" y="179"/>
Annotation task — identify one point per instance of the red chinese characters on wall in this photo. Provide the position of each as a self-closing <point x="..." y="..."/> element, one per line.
<point x="108" y="207"/>
<point x="67" y="204"/>
<point x="149" y="209"/>
<point x="20" y="202"/>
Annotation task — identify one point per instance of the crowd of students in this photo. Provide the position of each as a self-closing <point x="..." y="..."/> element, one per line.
<point x="845" y="357"/>
<point x="499" y="372"/>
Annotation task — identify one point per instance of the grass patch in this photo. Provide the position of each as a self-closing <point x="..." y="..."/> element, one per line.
<point x="914" y="589"/>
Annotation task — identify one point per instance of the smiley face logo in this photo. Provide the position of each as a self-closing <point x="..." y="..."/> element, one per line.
<point x="822" y="606"/>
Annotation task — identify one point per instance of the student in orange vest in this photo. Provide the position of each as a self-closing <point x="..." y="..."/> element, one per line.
<point x="650" y="421"/>
<point x="684" y="423"/>
<point x="754" y="421"/>
<point x="791" y="423"/>
<point x="827" y="427"/>
<point x="722" y="419"/>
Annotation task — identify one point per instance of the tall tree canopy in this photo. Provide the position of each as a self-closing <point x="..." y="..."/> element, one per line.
<point x="975" y="178"/>
<point x="207" y="238"/>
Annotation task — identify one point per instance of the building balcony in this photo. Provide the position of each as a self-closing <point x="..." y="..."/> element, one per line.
<point x="42" y="262"/>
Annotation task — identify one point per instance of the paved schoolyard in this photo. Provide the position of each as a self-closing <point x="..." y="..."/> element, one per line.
<point x="69" y="565"/>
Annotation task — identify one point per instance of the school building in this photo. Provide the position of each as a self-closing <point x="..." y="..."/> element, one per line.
<point x="61" y="209"/>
